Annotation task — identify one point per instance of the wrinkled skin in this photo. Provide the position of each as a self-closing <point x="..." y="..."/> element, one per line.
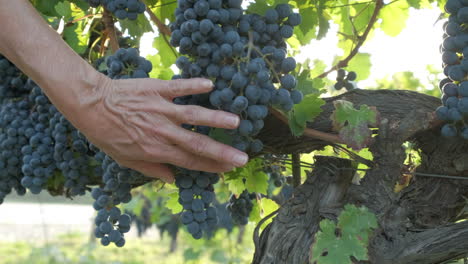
<point x="133" y="121"/>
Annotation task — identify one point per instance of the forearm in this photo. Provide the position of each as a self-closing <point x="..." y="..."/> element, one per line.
<point x="28" y="41"/>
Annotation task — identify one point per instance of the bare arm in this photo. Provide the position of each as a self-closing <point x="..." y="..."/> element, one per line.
<point x="133" y="121"/>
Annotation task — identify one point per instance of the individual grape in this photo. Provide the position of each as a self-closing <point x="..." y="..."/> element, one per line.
<point x="245" y="127"/>
<point x="449" y="130"/>
<point x="454" y="114"/>
<point x="462" y="105"/>
<point x="463" y="89"/>
<point x="288" y="81"/>
<point x="450" y="57"/>
<point x="296" y="96"/>
<point x="256" y="146"/>
<point x="286" y="31"/>
<point x="271" y="16"/>
<point x="284" y="10"/>
<point x="456" y="73"/>
<point x="201" y="7"/>
<point x="351" y="76"/>
<point x="294" y="19"/>
<point x="288" y="64"/>
<point x="452" y="102"/>
<point x="450" y="89"/>
<point x="442" y="113"/>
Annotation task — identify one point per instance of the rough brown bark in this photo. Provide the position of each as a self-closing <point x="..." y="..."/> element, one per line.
<point x="416" y="225"/>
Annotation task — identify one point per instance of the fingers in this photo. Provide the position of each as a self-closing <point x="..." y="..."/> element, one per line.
<point x="154" y="170"/>
<point x="181" y="87"/>
<point x="197" y="115"/>
<point x="204" y="146"/>
<point x="182" y="158"/>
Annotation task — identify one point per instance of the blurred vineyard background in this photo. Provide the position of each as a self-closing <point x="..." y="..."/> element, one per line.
<point x="41" y="229"/>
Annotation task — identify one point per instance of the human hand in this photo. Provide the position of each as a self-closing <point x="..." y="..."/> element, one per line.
<point x="136" y="123"/>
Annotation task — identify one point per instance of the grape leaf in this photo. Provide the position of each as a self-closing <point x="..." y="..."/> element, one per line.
<point x="304" y="112"/>
<point x="336" y="243"/>
<point x="352" y="124"/>
<point x="394" y="16"/>
<point x="163" y="47"/>
<point x="262" y="208"/>
<point x="136" y="28"/>
<point x="173" y="202"/>
<point x="64" y="9"/>
<point x="361" y="64"/>
<point x="250" y="177"/>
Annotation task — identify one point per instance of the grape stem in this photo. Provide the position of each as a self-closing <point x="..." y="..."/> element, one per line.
<point x="379" y="4"/>
<point x="333" y="138"/>
<point x="161" y="26"/>
<point x="270" y="65"/>
<point x="296" y="169"/>
<point x="110" y="30"/>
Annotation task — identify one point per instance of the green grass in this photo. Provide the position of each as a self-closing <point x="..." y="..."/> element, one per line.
<point x="73" y="248"/>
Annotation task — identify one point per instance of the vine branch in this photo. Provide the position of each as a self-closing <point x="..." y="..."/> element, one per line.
<point x="110" y="30"/>
<point x="296" y="169"/>
<point x="361" y="39"/>
<point x="333" y="138"/>
<point x="163" y="29"/>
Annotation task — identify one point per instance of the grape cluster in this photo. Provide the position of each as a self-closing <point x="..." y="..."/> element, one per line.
<point x="110" y="223"/>
<point x="454" y="89"/>
<point x="240" y="207"/>
<point x="127" y="63"/>
<point x="13" y="83"/>
<point x="274" y="165"/>
<point x="14" y="123"/>
<point x="244" y="54"/>
<point x="196" y="195"/>
<point x="344" y="80"/>
<point x="122" y="9"/>
<point x="40" y="149"/>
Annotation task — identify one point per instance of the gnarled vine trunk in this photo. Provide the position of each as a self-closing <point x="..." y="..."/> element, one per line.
<point x="416" y="225"/>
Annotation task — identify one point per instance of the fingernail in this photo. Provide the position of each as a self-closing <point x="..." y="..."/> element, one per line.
<point x="240" y="159"/>
<point x="232" y="120"/>
<point x="207" y="83"/>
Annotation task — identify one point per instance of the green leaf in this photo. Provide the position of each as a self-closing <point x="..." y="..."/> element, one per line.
<point x="46" y="7"/>
<point x="336" y="243"/>
<point x="324" y="24"/>
<point x="219" y="256"/>
<point x="191" y="254"/>
<point x="361" y="64"/>
<point x="159" y="72"/>
<point x="304" y="112"/>
<point x="163" y="47"/>
<point x="257" y="181"/>
<point x="173" y="202"/>
<point x="353" y="124"/>
<point x="236" y="186"/>
<point x="75" y="37"/>
<point x="64" y="9"/>
<point x="137" y="27"/>
<point x="394" y="16"/>
<point x="307" y="30"/>
<point x="250" y="177"/>
<point x="262" y="208"/>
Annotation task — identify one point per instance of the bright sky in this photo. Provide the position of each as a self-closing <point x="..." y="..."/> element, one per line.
<point x="414" y="48"/>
